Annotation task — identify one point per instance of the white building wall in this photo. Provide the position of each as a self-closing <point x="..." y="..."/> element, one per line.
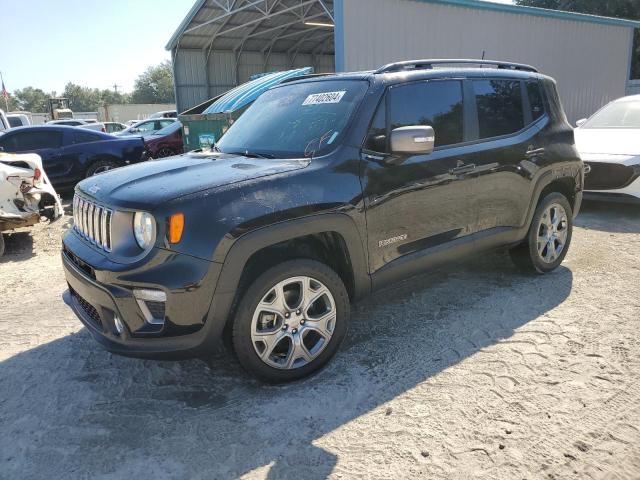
<point x="589" y="61"/>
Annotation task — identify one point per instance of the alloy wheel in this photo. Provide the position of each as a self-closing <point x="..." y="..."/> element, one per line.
<point x="293" y="322"/>
<point x="552" y="233"/>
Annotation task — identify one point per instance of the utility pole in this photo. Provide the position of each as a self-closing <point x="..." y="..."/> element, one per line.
<point x="115" y="87"/>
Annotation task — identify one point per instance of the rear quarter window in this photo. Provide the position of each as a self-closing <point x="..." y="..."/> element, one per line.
<point x="535" y="100"/>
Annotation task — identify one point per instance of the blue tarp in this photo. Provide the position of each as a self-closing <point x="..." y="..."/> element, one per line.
<point x="246" y="93"/>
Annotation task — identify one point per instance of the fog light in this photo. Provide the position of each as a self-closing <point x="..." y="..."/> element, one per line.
<point x="119" y="325"/>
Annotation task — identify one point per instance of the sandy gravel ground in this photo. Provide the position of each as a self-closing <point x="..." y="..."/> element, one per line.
<point x="474" y="371"/>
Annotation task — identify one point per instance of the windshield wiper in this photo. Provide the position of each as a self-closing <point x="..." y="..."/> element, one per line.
<point x="249" y="154"/>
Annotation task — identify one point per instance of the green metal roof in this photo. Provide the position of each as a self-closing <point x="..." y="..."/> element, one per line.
<point x="173" y="41"/>
<point x="539" y="12"/>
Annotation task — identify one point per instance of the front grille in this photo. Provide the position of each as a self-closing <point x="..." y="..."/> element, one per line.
<point x="73" y="258"/>
<point x="609" y="176"/>
<point x="93" y="222"/>
<point x="87" y="308"/>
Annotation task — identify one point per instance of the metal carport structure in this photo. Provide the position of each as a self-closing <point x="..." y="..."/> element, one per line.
<point x="222" y="43"/>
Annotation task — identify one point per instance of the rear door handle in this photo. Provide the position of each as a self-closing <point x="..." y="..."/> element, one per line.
<point x="534" y="152"/>
<point x="462" y="169"/>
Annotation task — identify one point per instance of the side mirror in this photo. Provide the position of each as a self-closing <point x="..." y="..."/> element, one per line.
<point x="581" y="122"/>
<point x="416" y="139"/>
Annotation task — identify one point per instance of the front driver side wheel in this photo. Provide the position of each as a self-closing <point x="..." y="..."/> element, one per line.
<point x="548" y="238"/>
<point x="290" y="321"/>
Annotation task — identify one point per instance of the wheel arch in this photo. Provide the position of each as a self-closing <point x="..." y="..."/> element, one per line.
<point x="310" y="237"/>
<point x="566" y="180"/>
<point x="251" y="245"/>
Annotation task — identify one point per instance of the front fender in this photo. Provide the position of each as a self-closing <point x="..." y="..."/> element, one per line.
<point x="235" y="256"/>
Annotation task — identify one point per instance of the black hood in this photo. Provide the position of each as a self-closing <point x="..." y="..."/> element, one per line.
<point x="148" y="184"/>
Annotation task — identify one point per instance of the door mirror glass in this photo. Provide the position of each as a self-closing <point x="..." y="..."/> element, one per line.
<point x="415" y="139"/>
<point x="581" y="122"/>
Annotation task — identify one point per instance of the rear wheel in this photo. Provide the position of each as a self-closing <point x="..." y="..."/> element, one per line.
<point x="165" y="152"/>
<point x="101" y="166"/>
<point x="291" y="321"/>
<point x="548" y="238"/>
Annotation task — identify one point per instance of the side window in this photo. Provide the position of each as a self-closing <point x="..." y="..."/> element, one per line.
<point x="146" y="127"/>
<point x="435" y="103"/>
<point x="165" y="123"/>
<point x="85" y="137"/>
<point x="535" y="100"/>
<point x="377" y="137"/>
<point x="8" y="142"/>
<point x="499" y="105"/>
<point x="26" y="141"/>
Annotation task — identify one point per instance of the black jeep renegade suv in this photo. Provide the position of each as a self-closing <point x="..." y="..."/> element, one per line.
<point x="325" y="189"/>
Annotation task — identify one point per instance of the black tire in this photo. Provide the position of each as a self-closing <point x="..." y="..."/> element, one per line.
<point x="1" y="244"/>
<point x="101" y="166"/>
<point x="165" y="152"/>
<point x="526" y="255"/>
<point x="242" y="322"/>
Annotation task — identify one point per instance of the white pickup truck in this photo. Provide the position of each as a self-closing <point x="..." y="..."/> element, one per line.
<point x="26" y="194"/>
<point x="4" y="122"/>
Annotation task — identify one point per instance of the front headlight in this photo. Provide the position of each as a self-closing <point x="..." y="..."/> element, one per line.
<point x="144" y="229"/>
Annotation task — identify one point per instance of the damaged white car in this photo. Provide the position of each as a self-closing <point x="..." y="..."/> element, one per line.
<point x="26" y="194"/>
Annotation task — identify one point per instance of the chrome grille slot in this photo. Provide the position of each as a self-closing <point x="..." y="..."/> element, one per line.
<point x="92" y="222"/>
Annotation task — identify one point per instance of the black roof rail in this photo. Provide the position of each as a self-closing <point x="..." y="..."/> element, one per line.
<point x="304" y="77"/>
<point x="428" y="64"/>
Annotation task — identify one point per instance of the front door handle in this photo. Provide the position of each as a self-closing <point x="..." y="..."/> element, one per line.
<point x="462" y="169"/>
<point x="534" y="152"/>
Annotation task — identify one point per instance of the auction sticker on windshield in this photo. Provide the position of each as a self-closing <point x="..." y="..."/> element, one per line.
<point x="326" y="97"/>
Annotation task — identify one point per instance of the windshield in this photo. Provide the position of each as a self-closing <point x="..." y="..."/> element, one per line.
<point x="296" y="120"/>
<point x="616" y="115"/>
<point x="169" y="129"/>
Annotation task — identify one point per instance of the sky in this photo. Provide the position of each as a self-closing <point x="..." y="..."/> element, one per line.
<point x="93" y="43"/>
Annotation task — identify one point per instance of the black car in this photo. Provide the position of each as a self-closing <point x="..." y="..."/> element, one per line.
<point x="71" y="154"/>
<point x="325" y="189"/>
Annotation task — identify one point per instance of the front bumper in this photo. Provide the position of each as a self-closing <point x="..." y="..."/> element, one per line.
<point x="101" y="290"/>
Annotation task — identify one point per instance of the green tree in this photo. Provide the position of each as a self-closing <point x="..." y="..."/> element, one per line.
<point x="629" y="9"/>
<point x="82" y="99"/>
<point x="155" y="85"/>
<point x="30" y="99"/>
<point x="111" y="97"/>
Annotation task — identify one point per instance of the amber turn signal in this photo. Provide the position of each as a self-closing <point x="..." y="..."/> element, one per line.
<point x="176" y="227"/>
